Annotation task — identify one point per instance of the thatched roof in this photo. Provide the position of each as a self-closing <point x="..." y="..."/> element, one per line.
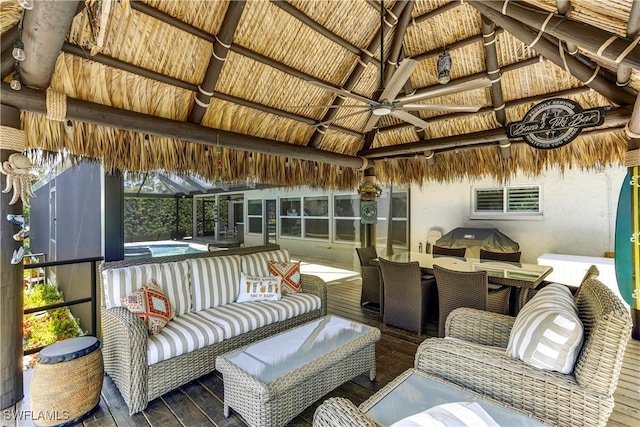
<point x="269" y="63"/>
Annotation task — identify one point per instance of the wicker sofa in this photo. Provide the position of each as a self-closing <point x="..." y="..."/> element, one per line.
<point x="144" y="367"/>
<point x="582" y="398"/>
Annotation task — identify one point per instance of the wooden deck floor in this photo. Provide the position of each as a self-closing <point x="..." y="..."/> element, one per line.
<point x="199" y="403"/>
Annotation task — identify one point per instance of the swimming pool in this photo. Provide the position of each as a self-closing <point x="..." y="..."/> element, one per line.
<point x="158" y="249"/>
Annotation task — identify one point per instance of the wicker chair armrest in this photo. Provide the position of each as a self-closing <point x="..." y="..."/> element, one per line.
<point x="555" y="398"/>
<point x="340" y="412"/>
<point x="315" y="285"/>
<point x="480" y="327"/>
<point x="124" y="349"/>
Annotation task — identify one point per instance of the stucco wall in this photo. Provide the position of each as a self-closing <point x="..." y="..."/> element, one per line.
<point x="579" y="212"/>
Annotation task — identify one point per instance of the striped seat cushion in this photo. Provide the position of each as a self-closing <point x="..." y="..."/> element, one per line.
<point x="215" y="281"/>
<point x="120" y="282"/>
<point x="239" y="318"/>
<point x="183" y="334"/>
<point x="547" y="332"/>
<point x="454" y="414"/>
<point x="258" y="264"/>
<point x="292" y="305"/>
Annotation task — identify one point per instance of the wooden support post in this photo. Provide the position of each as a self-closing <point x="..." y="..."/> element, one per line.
<point x="11" y="288"/>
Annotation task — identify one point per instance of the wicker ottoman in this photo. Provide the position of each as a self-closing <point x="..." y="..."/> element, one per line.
<point x="271" y="381"/>
<point x="67" y="381"/>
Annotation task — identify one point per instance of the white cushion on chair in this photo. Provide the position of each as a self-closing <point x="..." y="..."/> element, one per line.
<point x="547" y="332"/>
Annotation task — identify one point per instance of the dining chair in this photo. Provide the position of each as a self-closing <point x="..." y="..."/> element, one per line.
<point x="500" y="256"/>
<point x="371" y="281"/>
<point x="406" y="295"/>
<point x="459" y="289"/>
<point x="439" y="250"/>
<point x="500" y="296"/>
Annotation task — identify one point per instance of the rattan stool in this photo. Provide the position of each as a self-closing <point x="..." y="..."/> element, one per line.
<point x="67" y="381"/>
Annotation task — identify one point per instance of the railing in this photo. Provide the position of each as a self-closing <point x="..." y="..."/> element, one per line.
<point x="92" y="298"/>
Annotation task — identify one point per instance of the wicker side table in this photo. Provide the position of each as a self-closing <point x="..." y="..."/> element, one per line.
<point x="67" y="381"/>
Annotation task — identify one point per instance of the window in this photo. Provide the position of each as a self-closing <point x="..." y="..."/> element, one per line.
<point x="254" y="216"/>
<point x="507" y="201"/>
<point x="316" y="217"/>
<point x="290" y="217"/>
<point x="346" y="218"/>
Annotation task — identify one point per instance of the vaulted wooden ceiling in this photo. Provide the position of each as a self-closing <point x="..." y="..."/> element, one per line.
<point x="158" y="85"/>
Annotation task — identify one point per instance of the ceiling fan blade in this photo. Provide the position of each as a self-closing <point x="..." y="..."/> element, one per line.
<point x="399" y="78"/>
<point x="362" y="107"/>
<point x="371" y="123"/>
<point x="410" y="118"/>
<point x="327" y="122"/>
<point x="444" y="107"/>
<point x="445" y="90"/>
<point x="340" y="92"/>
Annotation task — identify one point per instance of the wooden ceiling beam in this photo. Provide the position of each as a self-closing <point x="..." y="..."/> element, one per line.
<point x="224" y="40"/>
<point x="352" y="79"/>
<point x="437" y="11"/>
<point x="456" y="45"/>
<point x="495" y="76"/>
<point x="588" y="37"/>
<point x="633" y="30"/>
<point x="291" y="10"/>
<point x="150" y="74"/>
<point x="45" y="28"/>
<point x="615" y="118"/>
<point x="398" y="38"/>
<point x="34" y="100"/>
<point x="564" y="8"/>
<point x="549" y="50"/>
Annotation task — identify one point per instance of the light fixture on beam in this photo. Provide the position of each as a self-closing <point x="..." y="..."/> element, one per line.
<point x="18" y="47"/>
<point x="430" y="156"/>
<point x="444" y="67"/>
<point x="16" y="80"/>
<point x="26" y="4"/>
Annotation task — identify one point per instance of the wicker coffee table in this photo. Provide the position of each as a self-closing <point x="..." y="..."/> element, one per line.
<point x="272" y="381"/>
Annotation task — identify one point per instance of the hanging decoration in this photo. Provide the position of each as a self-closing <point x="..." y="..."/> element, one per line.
<point x="18" y="171"/>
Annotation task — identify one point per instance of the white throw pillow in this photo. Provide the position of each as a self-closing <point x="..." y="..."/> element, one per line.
<point x="458" y="414"/>
<point x="547" y="332"/>
<point x="256" y="288"/>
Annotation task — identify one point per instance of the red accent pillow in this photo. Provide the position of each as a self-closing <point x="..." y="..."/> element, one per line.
<point x="151" y="305"/>
<point x="290" y="273"/>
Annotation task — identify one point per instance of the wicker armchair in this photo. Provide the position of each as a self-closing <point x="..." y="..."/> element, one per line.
<point x="583" y="398"/>
<point x="499" y="296"/>
<point x="406" y="295"/>
<point x="371" y="281"/>
<point x="459" y="289"/>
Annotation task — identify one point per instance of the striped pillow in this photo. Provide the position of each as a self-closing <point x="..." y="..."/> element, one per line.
<point x="175" y="284"/>
<point x="258" y="264"/>
<point x="215" y="281"/>
<point x="547" y="332"/>
<point x="455" y="414"/>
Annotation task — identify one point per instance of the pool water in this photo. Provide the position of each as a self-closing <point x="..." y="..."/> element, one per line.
<point x="145" y="250"/>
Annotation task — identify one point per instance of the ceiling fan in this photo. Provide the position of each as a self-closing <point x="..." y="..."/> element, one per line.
<point x="389" y="104"/>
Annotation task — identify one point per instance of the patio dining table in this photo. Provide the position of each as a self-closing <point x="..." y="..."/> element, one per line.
<point x="524" y="277"/>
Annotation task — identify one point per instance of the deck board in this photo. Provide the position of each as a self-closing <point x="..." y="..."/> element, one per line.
<point x="200" y="402"/>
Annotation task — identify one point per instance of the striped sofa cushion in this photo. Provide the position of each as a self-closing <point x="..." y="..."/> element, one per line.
<point x="215" y="281"/>
<point x="174" y="281"/>
<point x="258" y="264"/>
<point x="239" y="318"/>
<point x="183" y="334"/>
<point x="292" y="305"/>
<point x="547" y="332"/>
<point x="120" y="282"/>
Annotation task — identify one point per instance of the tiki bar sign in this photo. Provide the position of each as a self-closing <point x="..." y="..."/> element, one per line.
<point x="554" y="123"/>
